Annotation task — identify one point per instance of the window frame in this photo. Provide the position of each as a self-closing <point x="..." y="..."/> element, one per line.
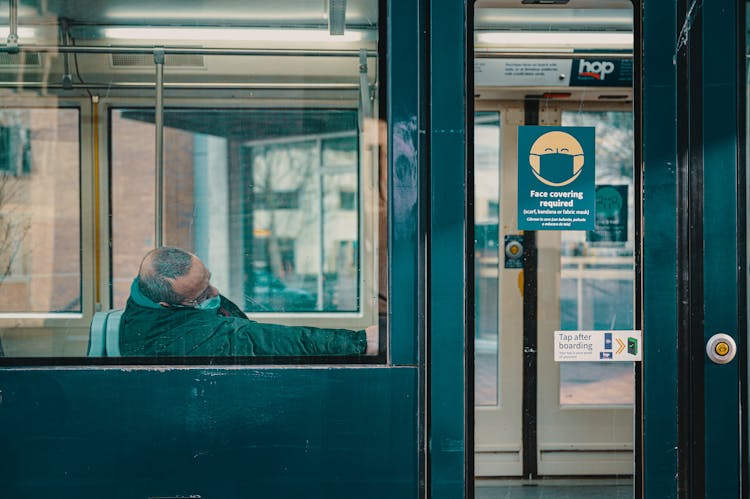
<point x="98" y="185"/>
<point x="368" y="209"/>
<point x="86" y="197"/>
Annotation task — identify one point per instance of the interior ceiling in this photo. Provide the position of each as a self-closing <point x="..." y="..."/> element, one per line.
<point x="572" y="4"/>
<point x="253" y="124"/>
<point x="300" y="13"/>
<point x="507" y="15"/>
<point x="363" y="13"/>
<point x="489" y="14"/>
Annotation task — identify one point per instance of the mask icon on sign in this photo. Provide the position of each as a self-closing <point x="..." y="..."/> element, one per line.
<point x="556" y="158"/>
<point x="557" y="167"/>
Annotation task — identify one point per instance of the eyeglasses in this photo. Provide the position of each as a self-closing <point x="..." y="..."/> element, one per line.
<point x="194" y="302"/>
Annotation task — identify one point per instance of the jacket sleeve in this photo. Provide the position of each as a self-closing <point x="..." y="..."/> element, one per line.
<point x="254" y="338"/>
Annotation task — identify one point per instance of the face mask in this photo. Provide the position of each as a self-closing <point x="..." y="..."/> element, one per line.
<point x="556" y="167"/>
<point x="210" y="304"/>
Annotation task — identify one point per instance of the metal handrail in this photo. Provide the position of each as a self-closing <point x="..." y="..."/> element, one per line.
<point x="183" y="86"/>
<point x="122" y="49"/>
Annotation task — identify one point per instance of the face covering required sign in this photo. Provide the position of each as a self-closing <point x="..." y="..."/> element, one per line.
<point x="556" y="178"/>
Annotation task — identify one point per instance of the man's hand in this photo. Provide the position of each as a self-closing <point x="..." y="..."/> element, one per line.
<point x="372" y="340"/>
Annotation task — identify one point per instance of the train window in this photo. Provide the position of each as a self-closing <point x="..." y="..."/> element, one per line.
<point x="597" y="277"/>
<point x="254" y="193"/>
<point x="40" y="217"/>
<point x="487" y="254"/>
<point x="248" y="138"/>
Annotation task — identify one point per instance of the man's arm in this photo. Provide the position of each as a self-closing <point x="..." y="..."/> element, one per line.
<point x="255" y="338"/>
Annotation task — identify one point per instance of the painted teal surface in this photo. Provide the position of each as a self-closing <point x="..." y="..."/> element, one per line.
<point x="448" y="93"/>
<point x="229" y="433"/>
<point x="720" y="113"/>
<point x="282" y="433"/>
<point x="659" y="116"/>
<point x="405" y="81"/>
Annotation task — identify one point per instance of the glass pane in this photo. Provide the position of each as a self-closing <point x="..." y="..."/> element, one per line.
<point x="597" y="276"/>
<point x="287" y="241"/>
<point x="305" y="220"/>
<point x="269" y="176"/>
<point x="40" y="217"/>
<point x="486" y="257"/>
<point x="564" y="72"/>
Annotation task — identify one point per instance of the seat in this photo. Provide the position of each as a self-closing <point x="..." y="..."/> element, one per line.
<point x="104" y="334"/>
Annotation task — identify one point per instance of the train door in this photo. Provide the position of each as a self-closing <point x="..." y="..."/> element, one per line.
<point x="536" y="417"/>
<point x="584" y="419"/>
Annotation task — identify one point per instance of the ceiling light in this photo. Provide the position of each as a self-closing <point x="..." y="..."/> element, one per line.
<point x="231" y="34"/>
<point x="22" y="33"/>
<point x="556" y="39"/>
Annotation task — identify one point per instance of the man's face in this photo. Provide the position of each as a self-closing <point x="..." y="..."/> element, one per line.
<point x="195" y="286"/>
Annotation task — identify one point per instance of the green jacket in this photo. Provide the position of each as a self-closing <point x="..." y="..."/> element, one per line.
<point x="148" y="329"/>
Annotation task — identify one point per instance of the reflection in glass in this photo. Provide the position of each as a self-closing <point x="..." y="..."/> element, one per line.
<point x="486" y="257"/>
<point x="597" y="267"/>
<point x="268" y="198"/>
<point x="40" y="239"/>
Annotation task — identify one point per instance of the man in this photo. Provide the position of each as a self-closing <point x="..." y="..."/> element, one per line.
<point x="173" y="310"/>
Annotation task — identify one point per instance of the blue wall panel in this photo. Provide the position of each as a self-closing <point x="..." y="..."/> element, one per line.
<point x="406" y="84"/>
<point x="720" y="156"/>
<point x="219" y="433"/>
<point x="447" y="422"/>
<point x="659" y="250"/>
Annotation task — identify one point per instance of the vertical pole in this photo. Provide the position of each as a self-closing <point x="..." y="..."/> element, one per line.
<point x="530" y="334"/>
<point x="365" y="108"/>
<point x="159" y="122"/>
<point x="97" y="199"/>
<point x="321" y="227"/>
<point x="579" y="295"/>
<point x="13" y="24"/>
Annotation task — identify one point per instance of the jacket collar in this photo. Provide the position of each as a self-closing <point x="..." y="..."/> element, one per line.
<point x="141" y="299"/>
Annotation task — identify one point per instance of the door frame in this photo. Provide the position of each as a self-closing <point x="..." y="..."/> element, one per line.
<point x="694" y="253"/>
<point x="499" y="430"/>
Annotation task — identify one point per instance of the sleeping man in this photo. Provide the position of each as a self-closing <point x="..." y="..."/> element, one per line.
<point x="173" y="310"/>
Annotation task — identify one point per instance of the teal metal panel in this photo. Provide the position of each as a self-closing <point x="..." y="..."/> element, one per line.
<point x="220" y="433"/>
<point x="659" y="114"/>
<point x="405" y="84"/>
<point x="447" y="420"/>
<point x="721" y="53"/>
<point x="311" y="432"/>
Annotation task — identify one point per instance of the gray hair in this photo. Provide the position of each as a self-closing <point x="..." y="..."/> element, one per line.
<point x="158" y="269"/>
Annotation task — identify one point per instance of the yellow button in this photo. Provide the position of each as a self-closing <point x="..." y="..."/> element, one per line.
<point x="513" y="250"/>
<point x="722" y="348"/>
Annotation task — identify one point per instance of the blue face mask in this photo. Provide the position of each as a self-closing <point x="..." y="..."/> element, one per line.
<point x="556" y="167"/>
<point x="212" y="303"/>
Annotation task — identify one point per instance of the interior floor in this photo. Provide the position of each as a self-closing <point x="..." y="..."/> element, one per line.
<point x="590" y="488"/>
